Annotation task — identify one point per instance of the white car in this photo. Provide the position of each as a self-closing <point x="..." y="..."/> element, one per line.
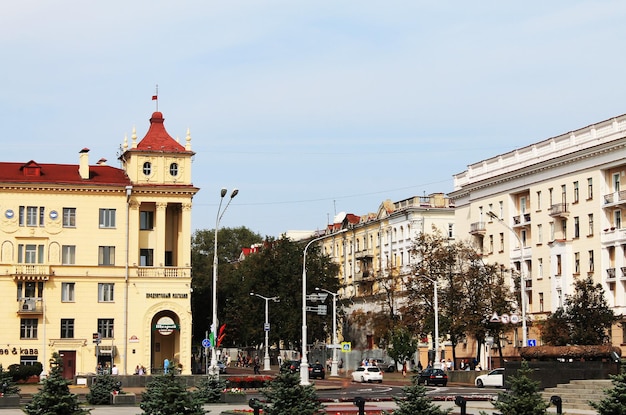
<point x="367" y="374"/>
<point x="495" y="378"/>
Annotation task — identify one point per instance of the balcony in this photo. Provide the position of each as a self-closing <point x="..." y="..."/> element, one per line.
<point x="610" y="274"/>
<point x="364" y="253"/>
<point x="521" y="220"/>
<point x="32" y="272"/>
<point x="30" y="305"/>
<point x="560" y="210"/>
<point x="477" y="228"/>
<point x="615" y="198"/>
<point x="164" y="272"/>
<point x="528" y="284"/>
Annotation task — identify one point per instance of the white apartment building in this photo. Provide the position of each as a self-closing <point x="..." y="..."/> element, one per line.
<point x="561" y="199"/>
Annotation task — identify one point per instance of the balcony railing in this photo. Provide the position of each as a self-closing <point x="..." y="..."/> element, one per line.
<point x="615" y="197"/>
<point x="521" y="219"/>
<point x="164" y="272"/>
<point x="30" y="305"/>
<point x="560" y="209"/>
<point x="32" y="270"/>
<point x="477" y="228"/>
<point x="610" y="273"/>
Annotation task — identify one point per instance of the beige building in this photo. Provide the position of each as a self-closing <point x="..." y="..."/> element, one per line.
<point x="374" y="253"/>
<point x="558" y="216"/>
<point x="95" y="261"/>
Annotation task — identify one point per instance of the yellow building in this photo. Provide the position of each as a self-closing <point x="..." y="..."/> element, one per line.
<point x="95" y="261"/>
<point x="552" y="211"/>
<point x="374" y="255"/>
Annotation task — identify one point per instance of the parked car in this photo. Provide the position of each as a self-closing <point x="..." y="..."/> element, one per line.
<point x="317" y="371"/>
<point x="367" y="374"/>
<point x="386" y="366"/>
<point x="292" y="366"/>
<point x="495" y="378"/>
<point x="221" y="366"/>
<point x="431" y="376"/>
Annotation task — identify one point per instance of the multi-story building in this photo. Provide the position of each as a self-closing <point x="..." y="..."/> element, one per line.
<point x="374" y="253"/>
<point x="95" y="261"/>
<point x="552" y="213"/>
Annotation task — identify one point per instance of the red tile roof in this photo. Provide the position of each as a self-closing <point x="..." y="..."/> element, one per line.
<point x="36" y="173"/>
<point x="157" y="138"/>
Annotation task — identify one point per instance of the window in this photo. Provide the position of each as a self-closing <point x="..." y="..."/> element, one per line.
<point x="67" y="292"/>
<point x="501" y="215"/>
<point x="576" y="227"/>
<point x="617" y="219"/>
<point x="589" y="188"/>
<point x="29" y="289"/>
<point x="522" y="205"/>
<point x="146" y="220"/>
<point x="105" y="328"/>
<point x="68" y="254"/>
<point x="523" y="237"/>
<point x="147" y="168"/>
<point x="559" y="297"/>
<point x="491" y="244"/>
<point x="591" y="265"/>
<point x="552" y="231"/>
<point x="576" y="192"/>
<point x="28" y="328"/>
<point x="563" y="194"/>
<point x="540" y="266"/>
<point x="107" y="218"/>
<point x="450" y="230"/>
<point x="105" y="292"/>
<point x="69" y="217"/>
<point x="541" y="302"/>
<point x="31" y="215"/>
<point x="174" y="169"/>
<point x="564" y="228"/>
<point x="146" y="257"/>
<point x="576" y="262"/>
<point x="30" y="254"/>
<point x="67" y="328"/>
<point x="590" y="218"/>
<point x="106" y="255"/>
<point x="539" y="234"/>
<point x="550" y="197"/>
<point x="539" y="200"/>
<point x="616" y="182"/>
<point x="501" y="242"/>
<point x="558" y="265"/>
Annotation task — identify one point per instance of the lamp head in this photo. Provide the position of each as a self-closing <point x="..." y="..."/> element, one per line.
<point x="251" y="293"/>
<point x="492" y="215"/>
<point x="234" y="193"/>
<point x="223" y="192"/>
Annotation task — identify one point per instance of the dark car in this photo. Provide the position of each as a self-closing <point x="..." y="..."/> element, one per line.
<point x="317" y="371"/>
<point x="292" y="366"/>
<point x="432" y="376"/>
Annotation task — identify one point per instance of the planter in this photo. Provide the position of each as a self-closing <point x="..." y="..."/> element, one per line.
<point x="122" y="399"/>
<point x="10" y="401"/>
<point x="234" y="398"/>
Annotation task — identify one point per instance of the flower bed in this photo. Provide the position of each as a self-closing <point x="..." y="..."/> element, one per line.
<point x="248" y="382"/>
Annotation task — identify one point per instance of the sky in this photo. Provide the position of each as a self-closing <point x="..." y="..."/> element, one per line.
<point x="309" y="108"/>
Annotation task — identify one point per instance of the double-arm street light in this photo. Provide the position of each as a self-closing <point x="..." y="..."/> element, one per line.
<point x="333" y="365"/>
<point x="304" y="363"/>
<point x="522" y="274"/>
<point x="437" y="362"/>
<point x="213" y="369"/>
<point x="266" y="360"/>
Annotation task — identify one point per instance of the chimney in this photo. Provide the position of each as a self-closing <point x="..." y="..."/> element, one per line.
<point x="83" y="167"/>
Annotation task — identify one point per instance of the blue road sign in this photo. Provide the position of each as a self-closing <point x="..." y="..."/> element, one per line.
<point x="532" y="342"/>
<point x="206" y="343"/>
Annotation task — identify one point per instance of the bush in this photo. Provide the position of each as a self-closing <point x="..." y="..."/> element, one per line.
<point x="248" y="382"/>
<point x="210" y="389"/>
<point x="7" y="383"/>
<point x="23" y="372"/>
<point x="101" y="388"/>
<point x="166" y="394"/>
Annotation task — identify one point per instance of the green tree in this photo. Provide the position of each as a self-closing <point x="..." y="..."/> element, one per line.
<point x="166" y="395"/>
<point x="6" y="382"/>
<point x="415" y="402"/>
<point x="285" y="396"/>
<point x="54" y="398"/>
<point x="585" y="318"/>
<point x="210" y="389"/>
<point x="100" y="390"/>
<point x="614" y="403"/>
<point x="523" y="397"/>
<point x="402" y="344"/>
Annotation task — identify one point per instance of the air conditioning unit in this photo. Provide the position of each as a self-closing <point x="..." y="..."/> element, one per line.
<point x="28" y="306"/>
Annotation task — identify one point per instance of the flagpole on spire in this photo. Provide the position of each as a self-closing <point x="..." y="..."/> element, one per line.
<point x="155" y="97"/>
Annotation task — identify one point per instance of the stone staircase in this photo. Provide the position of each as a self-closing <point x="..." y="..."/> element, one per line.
<point x="577" y="394"/>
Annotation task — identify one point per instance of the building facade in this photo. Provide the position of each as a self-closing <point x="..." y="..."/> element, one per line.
<point x="552" y="213"/>
<point x="374" y="254"/>
<point x="95" y="261"/>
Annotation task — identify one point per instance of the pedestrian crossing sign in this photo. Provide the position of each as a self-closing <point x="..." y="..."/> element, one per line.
<point x="346" y="347"/>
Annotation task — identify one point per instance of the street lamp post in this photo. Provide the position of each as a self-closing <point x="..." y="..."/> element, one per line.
<point x="522" y="275"/>
<point x="437" y="362"/>
<point x="266" y="360"/>
<point x="333" y="365"/>
<point x="213" y="369"/>
<point x="304" y="363"/>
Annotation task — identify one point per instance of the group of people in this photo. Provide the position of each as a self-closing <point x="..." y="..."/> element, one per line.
<point x="140" y="370"/>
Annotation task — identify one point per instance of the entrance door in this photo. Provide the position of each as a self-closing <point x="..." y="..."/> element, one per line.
<point x="69" y="363"/>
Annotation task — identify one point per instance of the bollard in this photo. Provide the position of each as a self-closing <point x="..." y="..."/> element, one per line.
<point x="255" y="405"/>
<point x="558" y="402"/>
<point x="462" y="402"/>
<point x="360" y="403"/>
